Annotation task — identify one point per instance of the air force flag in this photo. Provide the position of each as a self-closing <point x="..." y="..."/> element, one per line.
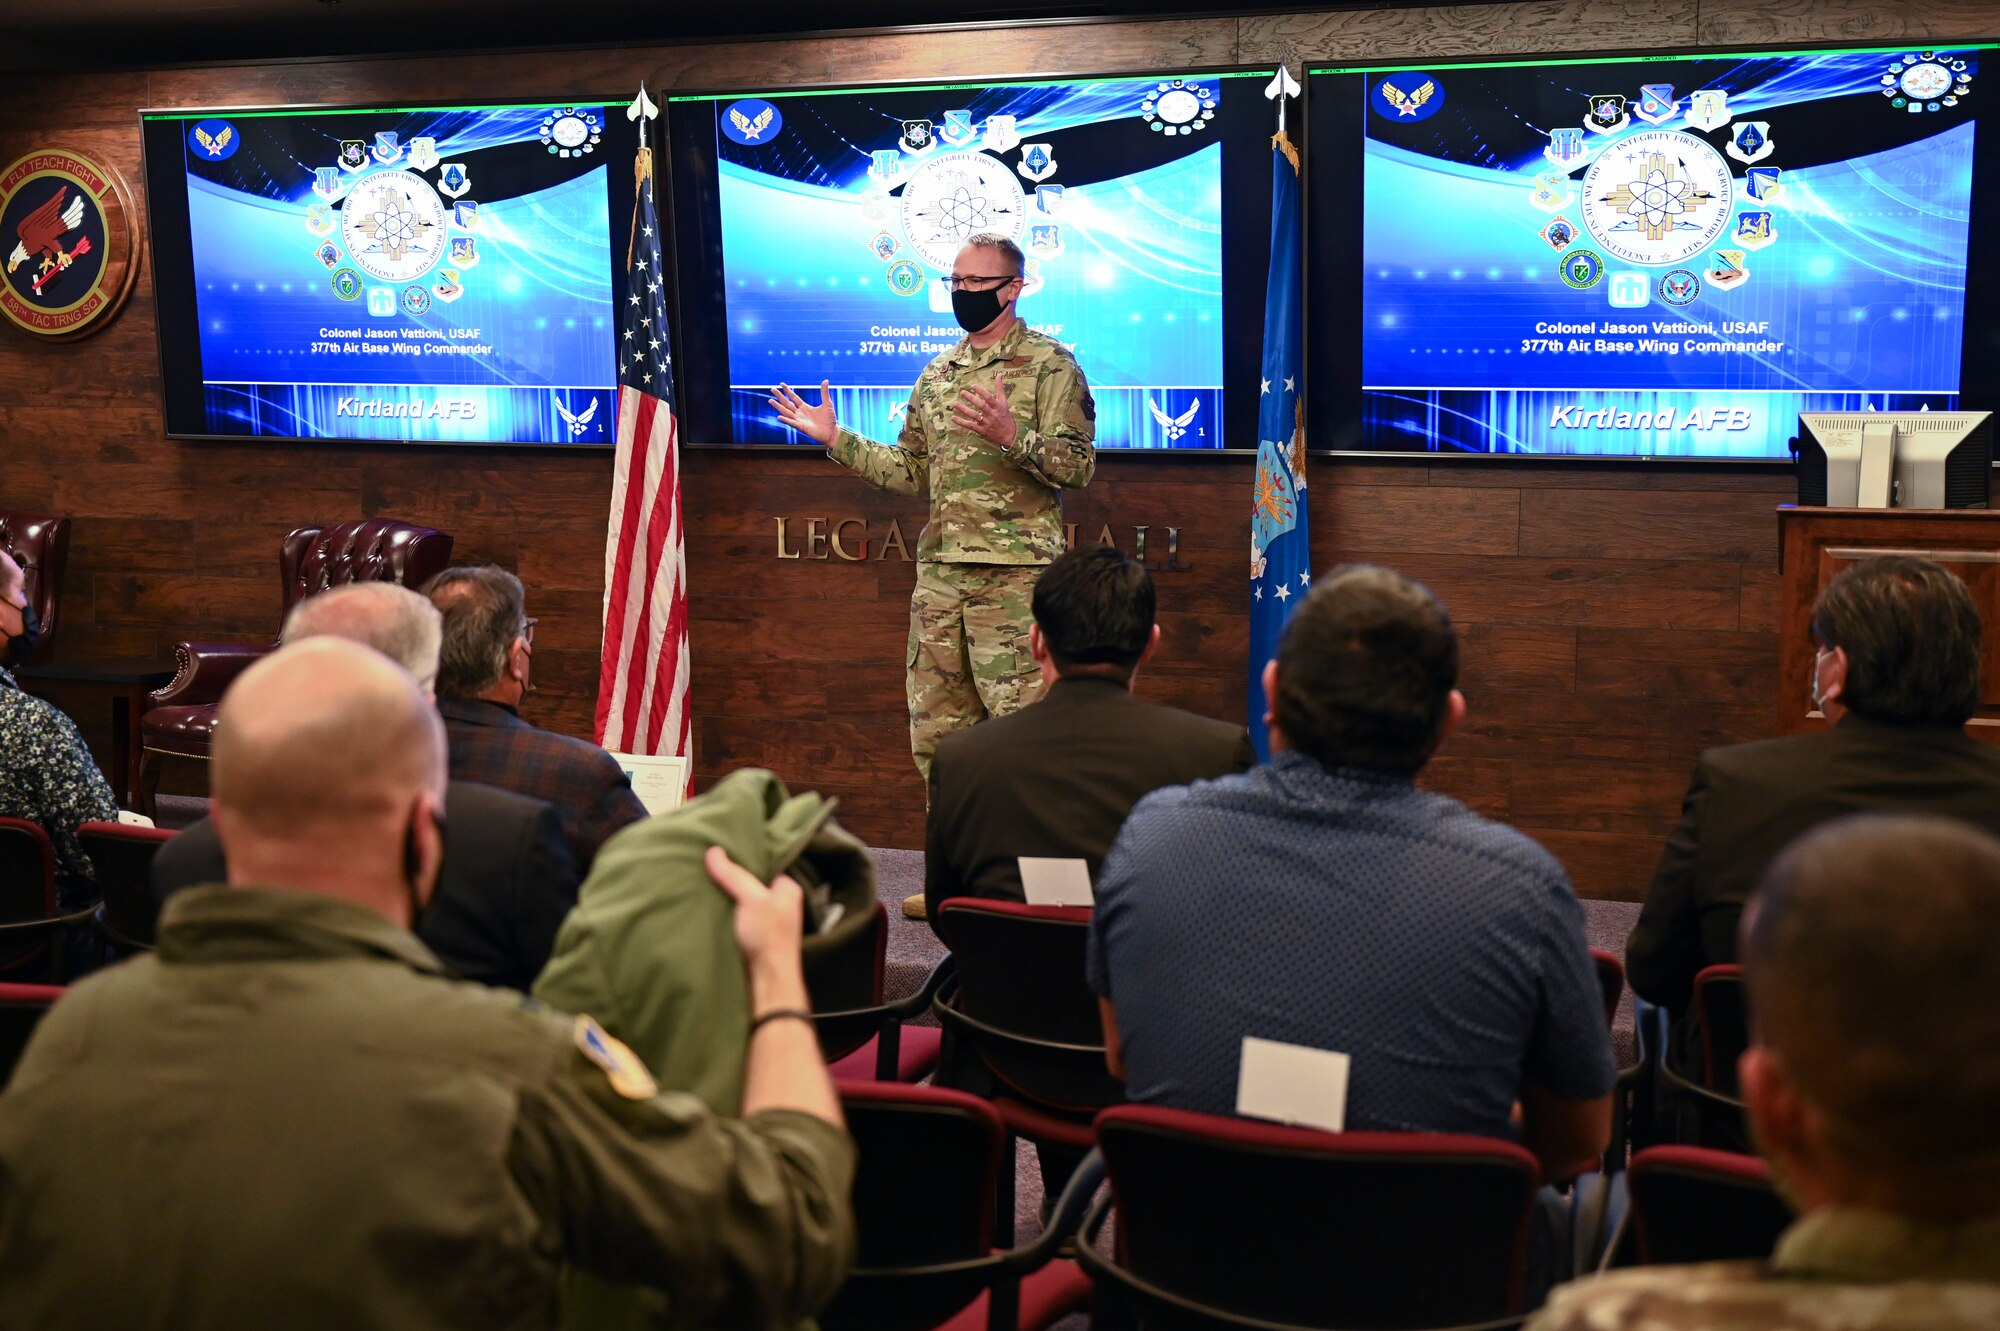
<point x="1280" y="561"/>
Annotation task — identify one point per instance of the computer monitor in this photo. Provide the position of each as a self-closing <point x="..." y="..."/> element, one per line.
<point x="1899" y="459"/>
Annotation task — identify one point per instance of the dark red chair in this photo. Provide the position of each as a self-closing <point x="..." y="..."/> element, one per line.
<point x="122" y="858"/>
<point x="1236" y="1223"/>
<point x="1690" y="1204"/>
<point x="181" y="723"/>
<point x="1021" y="1013"/>
<point x="1610" y="981"/>
<point x="1700" y="1106"/>
<point x="33" y="937"/>
<point x="863" y="1037"/>
<point x="40" y="545"/>
<point x="931" y="1161"/>
<point x="21" y="1009"/>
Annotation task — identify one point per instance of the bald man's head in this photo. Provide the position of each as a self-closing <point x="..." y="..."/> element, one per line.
<point x="12" y="580"/>
<point x="1875" y="979"/>
<point x="323" y="740"/>
<point x="394" y="620"/>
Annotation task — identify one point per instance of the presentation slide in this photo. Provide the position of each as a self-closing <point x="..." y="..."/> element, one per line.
<point x="440" y="274"/>
<point x="840" y="213"/>
<point x="1669" y="256"/>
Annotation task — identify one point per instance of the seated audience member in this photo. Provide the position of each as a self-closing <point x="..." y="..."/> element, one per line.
<point x="47" y="776"/>
<point x="1056" y="779"/>
<point x="288" y="1117"/>
<point x="1323" y="900"/>
<point x="508" y="878"/>
<point x="483" y="674"/>
<point x="1898" y="669"/>
<point x="1872" y="1084"/>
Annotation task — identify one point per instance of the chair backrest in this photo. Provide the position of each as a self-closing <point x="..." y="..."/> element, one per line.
<point x="1610" y="981"/>
<point x="1309" y="1228"/>
<point x="1691" y="1204"/>
<point x="1721" y="1008"/>
<point x="1020" y="967"/>
<point x="314" y="559"/>
<point x="21" y="1009"/>
<point x="938" y="1212"/>
<point x="1021" y="980"/>
<point x="27" y="872"/>
<point x="122" y="858"/>
<point x="40" y="545"/>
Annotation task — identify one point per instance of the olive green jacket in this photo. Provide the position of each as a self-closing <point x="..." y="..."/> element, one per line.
<point x="289" y="1117"/>
<point x="650" y="951"/>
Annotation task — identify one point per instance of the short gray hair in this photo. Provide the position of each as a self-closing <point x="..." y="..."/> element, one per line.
<point x="394" y="620"/>
<point x="993" y="240"/>
<point x="483" y="613"/>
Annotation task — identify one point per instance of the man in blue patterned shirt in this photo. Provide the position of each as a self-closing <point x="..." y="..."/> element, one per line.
<point x="1323" y="900"/>
<point x="46" y="774"/>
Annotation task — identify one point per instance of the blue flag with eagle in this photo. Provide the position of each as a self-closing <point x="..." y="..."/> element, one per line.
<point x="1280" y="560"/>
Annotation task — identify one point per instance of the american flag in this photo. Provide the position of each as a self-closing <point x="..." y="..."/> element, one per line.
<point x="642" y="687"/>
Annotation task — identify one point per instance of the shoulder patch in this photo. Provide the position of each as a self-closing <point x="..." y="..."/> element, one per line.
<point x="622" y="1068"/>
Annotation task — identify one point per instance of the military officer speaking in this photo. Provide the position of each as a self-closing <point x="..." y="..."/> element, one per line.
<point x="999" y="425"/>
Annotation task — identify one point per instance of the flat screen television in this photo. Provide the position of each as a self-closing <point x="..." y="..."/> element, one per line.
<point x="1649" y="256"/>
<point x="812" y="230"/>
<point x="437" y="274"/>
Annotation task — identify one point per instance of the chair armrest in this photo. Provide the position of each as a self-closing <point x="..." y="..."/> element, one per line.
<point x="202" y="670"/>
<point x="909" y="1009"/>
<point x="1065" y="1221"/>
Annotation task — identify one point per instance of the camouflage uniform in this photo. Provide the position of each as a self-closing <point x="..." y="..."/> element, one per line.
<point x="1843" y="1270"/>
<point x="995" y="521"/>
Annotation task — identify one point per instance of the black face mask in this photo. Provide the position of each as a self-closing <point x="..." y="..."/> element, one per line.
<point x="976" y="309"/>
<point x="21" y="648"/>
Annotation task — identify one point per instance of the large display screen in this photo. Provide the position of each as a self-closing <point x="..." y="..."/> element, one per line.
<point x="1663" y="256"/>
<point x="814" y="230"/>
<point x="435" y="274"/>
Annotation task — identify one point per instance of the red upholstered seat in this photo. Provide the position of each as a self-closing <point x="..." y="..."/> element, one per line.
<point x="181" y="723"/>
<point x="185" y="732"/>
<point x="916" y="1057"/>
<point x="40" y="545"/>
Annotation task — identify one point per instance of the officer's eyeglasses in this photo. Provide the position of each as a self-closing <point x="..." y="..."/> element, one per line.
<point x="973" y="283"/>
<point x="528" y="630"/>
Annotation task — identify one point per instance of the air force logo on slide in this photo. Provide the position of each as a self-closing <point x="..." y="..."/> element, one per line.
<point x="752" y="121"/>
<point x="1408" y="97"/>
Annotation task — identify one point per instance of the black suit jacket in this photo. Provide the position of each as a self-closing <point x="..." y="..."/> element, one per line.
<point x="1057" y="779"/>
<point x="507" y="881"/>
<point x="1749" y="801"/>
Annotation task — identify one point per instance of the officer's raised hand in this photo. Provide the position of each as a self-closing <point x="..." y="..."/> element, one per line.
<point x="816" y="423"/>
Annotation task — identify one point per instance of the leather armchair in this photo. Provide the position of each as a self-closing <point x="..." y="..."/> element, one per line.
<point x="40" y="545"/>
<point x="181" y="722"/>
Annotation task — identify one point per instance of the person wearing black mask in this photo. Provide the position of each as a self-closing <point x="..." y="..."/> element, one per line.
<point x="46" y="774"/>
<point x="998" y="426"/>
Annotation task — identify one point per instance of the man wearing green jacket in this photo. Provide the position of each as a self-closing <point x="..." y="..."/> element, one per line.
<point x="287" y="1116"/>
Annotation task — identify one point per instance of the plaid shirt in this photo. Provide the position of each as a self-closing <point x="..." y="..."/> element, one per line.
<point x="491" y="744"/>
<point x="47" y="777"/>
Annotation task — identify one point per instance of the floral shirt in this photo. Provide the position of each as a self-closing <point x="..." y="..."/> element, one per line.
<point x="47" y="777"/>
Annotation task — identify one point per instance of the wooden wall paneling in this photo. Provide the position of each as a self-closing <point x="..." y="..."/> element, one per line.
<point x="1744" y="22"/>
<point x="1435" y="31"/>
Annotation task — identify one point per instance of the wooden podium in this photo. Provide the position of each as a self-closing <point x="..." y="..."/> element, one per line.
<point x="1816" y="543"/>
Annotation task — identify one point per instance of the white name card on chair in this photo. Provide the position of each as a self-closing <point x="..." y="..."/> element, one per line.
<point x="1290" y="1083"/>
<point x="126" y="818"/>
<point x="1050" y="882"/>
<point x="659" y="782"/>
